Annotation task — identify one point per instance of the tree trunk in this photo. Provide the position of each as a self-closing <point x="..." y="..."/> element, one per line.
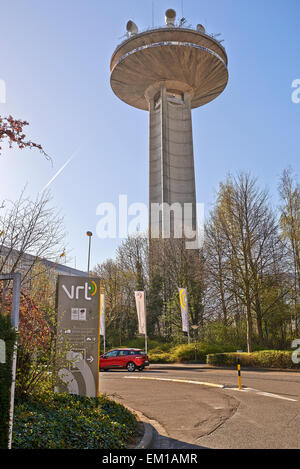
<point x="259" y="321"/>
<point x="249" y="325"/>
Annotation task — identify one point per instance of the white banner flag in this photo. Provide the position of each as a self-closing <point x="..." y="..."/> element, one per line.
<point x="184" y="309"/>
<point x="102" y="315"/>
<point x="141" y="311"/>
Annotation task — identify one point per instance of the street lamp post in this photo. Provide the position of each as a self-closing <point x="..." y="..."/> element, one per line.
<point x="89" y="234"/>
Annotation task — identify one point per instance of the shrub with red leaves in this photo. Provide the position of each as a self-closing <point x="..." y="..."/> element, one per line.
<point x="36" y="340"/>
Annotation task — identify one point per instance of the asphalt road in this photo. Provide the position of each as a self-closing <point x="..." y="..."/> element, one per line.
<point x="187" y="413"/>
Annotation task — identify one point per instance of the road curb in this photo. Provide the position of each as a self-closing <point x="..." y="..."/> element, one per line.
<point x="149" y="428"/>
<point x="147" y="439"/>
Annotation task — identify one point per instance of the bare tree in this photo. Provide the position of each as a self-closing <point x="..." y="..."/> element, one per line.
<point x="178" y="267"/>
<point x="289" y="190"/>
<point x="29" y="231"/>
<point x="217" y="263"/>
<point x="118" y="286"/>
<point x="132" y="255"/>
<point x="247" y="246"/>
<point x="239" y="284"/>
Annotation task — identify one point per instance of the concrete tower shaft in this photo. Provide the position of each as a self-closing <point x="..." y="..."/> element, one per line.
<point x="171" y="159"/>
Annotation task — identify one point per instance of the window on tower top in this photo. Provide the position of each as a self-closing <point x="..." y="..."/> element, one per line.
<point x="174" y="96"/>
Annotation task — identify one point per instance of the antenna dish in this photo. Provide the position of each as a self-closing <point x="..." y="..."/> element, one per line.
<point x="132" y="28"/>
<point x="200" y="28"/>
<point x="170" y="17"/>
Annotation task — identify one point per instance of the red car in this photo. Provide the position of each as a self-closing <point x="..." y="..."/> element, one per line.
<point x="130" y="358"/>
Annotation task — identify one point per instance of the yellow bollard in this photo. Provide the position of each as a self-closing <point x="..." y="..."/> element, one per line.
<point x="239" y="374"/>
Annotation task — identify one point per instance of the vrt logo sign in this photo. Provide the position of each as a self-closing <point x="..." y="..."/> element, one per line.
<point x="89" y="289"/>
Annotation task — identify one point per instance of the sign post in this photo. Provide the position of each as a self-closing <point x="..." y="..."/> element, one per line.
<point x="15" y="308"/>
<point x="195" y="327"/>
<point x="78" y="335"/>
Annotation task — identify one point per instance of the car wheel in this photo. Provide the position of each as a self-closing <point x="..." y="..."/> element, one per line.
<point x="130" y="366"/>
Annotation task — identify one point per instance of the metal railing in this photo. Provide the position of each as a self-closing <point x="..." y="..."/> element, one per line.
<point x="189" y="27"/>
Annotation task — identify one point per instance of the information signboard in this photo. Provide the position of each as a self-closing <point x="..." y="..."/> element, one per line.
<point x="78" y="334"/>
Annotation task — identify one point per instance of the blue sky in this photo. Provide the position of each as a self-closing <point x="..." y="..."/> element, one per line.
<point x="54" y="58"/>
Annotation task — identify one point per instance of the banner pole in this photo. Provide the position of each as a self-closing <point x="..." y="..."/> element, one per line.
<point x="15" y="310"/>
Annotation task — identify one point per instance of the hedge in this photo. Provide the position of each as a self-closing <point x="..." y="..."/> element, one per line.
<point x="186" y="353"/>
<point x="7" y="333"/>
<point x="161" y="357"/>
<point x="65" y="421"/>
<point x="262" y="359"/>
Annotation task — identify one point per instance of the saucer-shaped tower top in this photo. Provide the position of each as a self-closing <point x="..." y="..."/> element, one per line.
<point x="181" y="58"/>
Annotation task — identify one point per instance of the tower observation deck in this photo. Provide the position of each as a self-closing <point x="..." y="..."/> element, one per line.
<point x="169" y="71"/>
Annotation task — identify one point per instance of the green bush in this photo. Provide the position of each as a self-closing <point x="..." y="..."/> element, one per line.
<point x="186" y="352"/>
<point x="161" y="357"/>
<point x="65" y="421"/>
<point x="261" y="359"/>
<point x="7" y="334"/>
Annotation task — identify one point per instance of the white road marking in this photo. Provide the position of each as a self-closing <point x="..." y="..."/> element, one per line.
<point x="276" y="396"/>
<point x="262" y="393"/>
<point x="177" y="381"/>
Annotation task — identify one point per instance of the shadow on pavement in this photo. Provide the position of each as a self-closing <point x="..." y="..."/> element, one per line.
<point x="255" y="370"/>
<point x="164" y="442"/>
<point x="178" y="367"/>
